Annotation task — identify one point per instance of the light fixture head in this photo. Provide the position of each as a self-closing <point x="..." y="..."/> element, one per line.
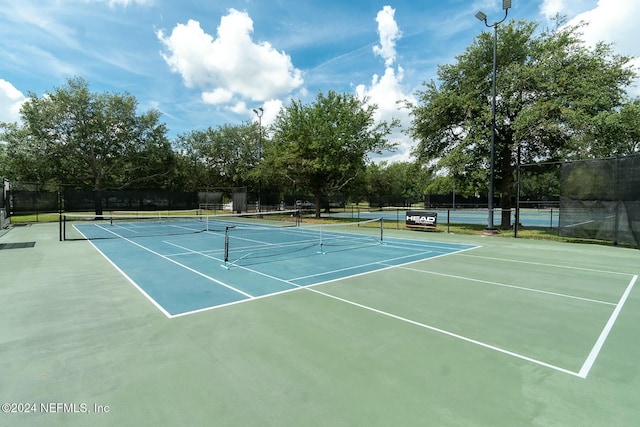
<point x="481" y="16"/>
<point x="506" y="4"/>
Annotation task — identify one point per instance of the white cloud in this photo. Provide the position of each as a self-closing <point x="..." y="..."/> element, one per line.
<point x="232" y="63"/>
<point x="389" y="95"/>
<point x="614" y="22"/>
<point x="551" y="8"/>
<point x="389" y="34"/>
<point x="217" y="96"/>
<point x="11" y="100"/>
<point x="271" y="110"/>
<point x="387" y="92"/>
<point x="239" y="108"/>
<point x="610" y="21"/>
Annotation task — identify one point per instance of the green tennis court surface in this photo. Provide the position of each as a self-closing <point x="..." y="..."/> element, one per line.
<point x="489" y="332"/>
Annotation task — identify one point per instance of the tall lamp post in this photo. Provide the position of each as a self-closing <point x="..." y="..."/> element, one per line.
<point x="259" y="112"/>
<point x="506" y="5"/>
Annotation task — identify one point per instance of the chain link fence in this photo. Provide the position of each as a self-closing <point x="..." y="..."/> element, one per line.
<point x="600" y="199"/>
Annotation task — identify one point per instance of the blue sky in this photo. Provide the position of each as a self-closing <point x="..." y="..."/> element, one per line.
<point x="208" y="63"/>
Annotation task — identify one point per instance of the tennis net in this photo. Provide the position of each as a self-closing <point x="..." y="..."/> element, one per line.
<point x="111" y="226"/>
<point x="245" y="245"/>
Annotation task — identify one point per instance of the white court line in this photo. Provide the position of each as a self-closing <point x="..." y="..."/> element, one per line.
<point x="289" y="282"/>
<point x="588" y="364"/>
<point x="424" y="244"/>
<point x="215" y="307"/>
<point x="142" y="291"/>
<point x="522" y="288"/>
<point x="451" y="334"/>
<point x="296" y="286"/>
<point x="584" y="371"/>
<point x="120" y="227"/>
<point x="251" y="297"/>
<point x="542" y="264"/>
<point x="190" y="251"/>
<point x="577" y="224"/>
<point x="381" y="262"/>
<point x="183" y="266"/>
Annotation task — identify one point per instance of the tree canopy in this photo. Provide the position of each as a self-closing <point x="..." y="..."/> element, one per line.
<point x="323" y="146"/>
<point x="557" y="99"/>
<point x="225" y="156"/>
<point x="92" y="140"/>
<point x="397" y="184"/>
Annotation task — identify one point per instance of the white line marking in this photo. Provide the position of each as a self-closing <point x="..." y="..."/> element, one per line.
<point x="568" y="267"/>
<point x="298" y="286"/>
<point x="184" y="266"/>
<point x="583" y="373"/>
<point x="388" y="267"/>
<point x="577" y="224"/>
<point x="522" y="288"/>
<point x="192" y="252"/>
<point x="142" y="291"/>
<point x="605" y="332"/>
<point x="422" y="244"/>
<point x="215" y="307"/>
<point x="451" y="334"/>
<point x="251" y="297"/>
<point x="381" y="262"/>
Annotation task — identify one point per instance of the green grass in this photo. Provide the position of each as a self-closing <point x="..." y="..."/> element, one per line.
<point x="55" y="216"/>
<point x="36" y="217"/>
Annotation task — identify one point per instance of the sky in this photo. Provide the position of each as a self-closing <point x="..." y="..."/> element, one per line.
<point x="210" y="63"/>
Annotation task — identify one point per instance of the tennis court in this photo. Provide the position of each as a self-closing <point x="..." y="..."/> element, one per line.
<point x="196" y="263"/>
<point x="399" y="328"/>
<point x="547" y="217"/>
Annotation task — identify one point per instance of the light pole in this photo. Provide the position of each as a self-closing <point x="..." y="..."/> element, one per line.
<point x="259" y="112"/>
<point x="294" y="189"/>
<point x="506" y="5"/>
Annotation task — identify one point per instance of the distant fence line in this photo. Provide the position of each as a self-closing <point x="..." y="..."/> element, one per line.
<point x="31" y="198"/>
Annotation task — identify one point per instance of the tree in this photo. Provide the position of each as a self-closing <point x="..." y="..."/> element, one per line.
<point x="90" y="140"/>
<point x="223" y="157"/>
<point x="149" y="160"/>
<point x="398" y="183"/>
<point x="552" y="89"/>
<point x="615" y="133"/>
<point x="19" y="161"/>
<point x="323" y="146"/>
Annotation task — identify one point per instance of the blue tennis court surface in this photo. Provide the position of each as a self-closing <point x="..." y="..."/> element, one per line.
<point x="183" y="274"/>
<point x="528" y="217"/>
